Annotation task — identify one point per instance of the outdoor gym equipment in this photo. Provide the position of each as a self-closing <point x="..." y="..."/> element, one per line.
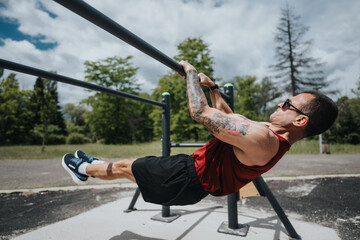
<point x="91" y="14"/>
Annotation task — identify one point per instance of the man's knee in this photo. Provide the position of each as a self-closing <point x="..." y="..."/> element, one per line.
<point x="123" y="165"/>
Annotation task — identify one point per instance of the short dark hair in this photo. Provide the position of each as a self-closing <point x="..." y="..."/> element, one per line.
<point x="322" y="112"/>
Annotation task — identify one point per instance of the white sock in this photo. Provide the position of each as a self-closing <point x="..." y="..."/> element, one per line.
<point x="82" y="168"/>
<point x="95" y="162"/>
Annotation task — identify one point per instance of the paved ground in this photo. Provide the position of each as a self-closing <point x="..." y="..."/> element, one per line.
<point x="49" y="173"/>
<point x="318" y="207"/>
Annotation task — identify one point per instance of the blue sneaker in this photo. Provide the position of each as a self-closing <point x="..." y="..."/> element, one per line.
<point x="87" y="158"/>
<point x="71" y="165"/>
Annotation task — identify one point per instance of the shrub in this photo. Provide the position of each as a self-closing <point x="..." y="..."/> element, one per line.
<point x="55" y="139"/>
<point x="353" y="138"/>
<point x="77" y="138"/>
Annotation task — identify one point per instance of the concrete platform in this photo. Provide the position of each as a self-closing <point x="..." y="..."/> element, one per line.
<point x="200" y="221"/>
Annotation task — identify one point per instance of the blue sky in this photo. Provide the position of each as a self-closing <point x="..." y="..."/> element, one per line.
<point x="10" y="29"/>
<point x="240" y="34"/>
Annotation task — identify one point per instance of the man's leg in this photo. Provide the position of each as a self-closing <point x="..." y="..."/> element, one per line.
<point x="112" y="170"/>
<point x="81" y="168"/>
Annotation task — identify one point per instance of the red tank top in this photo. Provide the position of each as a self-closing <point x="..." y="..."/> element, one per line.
<point x="221" y="173"/>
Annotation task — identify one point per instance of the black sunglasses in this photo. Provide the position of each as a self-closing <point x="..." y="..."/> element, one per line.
<point x="287" y="104"/>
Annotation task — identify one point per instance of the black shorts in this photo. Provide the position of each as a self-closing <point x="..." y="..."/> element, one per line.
<point x="168" y="180"/>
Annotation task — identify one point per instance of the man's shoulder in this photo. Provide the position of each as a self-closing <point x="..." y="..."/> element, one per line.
<point x="264" y="146"/>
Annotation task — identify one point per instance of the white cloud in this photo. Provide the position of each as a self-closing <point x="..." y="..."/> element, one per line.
<point x="240" y="34"/>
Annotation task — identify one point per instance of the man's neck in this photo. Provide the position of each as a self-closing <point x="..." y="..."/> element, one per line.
<point x="290" y="136"/>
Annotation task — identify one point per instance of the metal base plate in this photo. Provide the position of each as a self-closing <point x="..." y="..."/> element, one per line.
<point x="129" y="210"/>
<point x="242" y="229"/>
<point x="172" y="217"/>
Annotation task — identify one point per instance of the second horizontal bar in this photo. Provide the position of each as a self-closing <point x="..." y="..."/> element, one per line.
<point x="59" y="78"/>
<point x="187" y="144"/>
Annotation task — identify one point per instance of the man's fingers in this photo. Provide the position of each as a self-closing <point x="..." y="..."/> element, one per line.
<point x="187" y="66"/>
<point x="203" y="77"/>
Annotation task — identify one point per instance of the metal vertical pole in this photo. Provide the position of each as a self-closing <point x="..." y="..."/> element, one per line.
<point x="166" y="137"/>
<point x="233" y="198"/>
<point x="229" y="90"/>
<point x="166" y="215"/>
<point x="232" y="226"/>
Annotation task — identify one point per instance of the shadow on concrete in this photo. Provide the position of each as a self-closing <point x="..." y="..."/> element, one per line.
<point x="184" y="212"/>
<point x="271" y="223"/>
<point x="179" y="211"/>
<point x="127" y="235"/>
<point x="176" y="211"/>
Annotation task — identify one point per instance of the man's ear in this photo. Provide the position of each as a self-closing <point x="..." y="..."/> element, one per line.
<point x="301" y="121"/>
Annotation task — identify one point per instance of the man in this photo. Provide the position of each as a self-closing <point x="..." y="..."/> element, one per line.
<point x="241" y="151"/>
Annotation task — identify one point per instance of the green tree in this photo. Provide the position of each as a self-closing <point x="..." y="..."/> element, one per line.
<point x="296" y="70"/>
<point x="246" y="97"/>
<point x="346" y="128"/>
<point x="15" y="114"/>
<point x="142" y="125"/>
<point x="59" y="118"/>
<point x="252" y="99"/>
<point x="111" y="116"/>
<point x="356" y="91"/>
<point x="45" y="105"/>
<point x="196" y="52"/>
<point x="45" y="90"/>
<point x="74" y="113"/>
<point x="268" y="92"/>
<point x="75" y="121"/>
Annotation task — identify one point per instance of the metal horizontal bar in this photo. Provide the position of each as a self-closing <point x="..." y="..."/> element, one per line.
<point x="187" y="144"/>
<point x="96" y="17"/>
<point x="56" y="77"/>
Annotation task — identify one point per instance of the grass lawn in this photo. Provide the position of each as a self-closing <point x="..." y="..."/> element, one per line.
<point x="94" y="149"/>
<point x="313" y="147"/>
<point x="143" y="149"/>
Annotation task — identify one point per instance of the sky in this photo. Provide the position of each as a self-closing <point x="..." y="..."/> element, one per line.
<point x="240" y="35"/>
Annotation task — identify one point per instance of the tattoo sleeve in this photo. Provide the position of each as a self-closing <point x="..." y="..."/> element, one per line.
<point x="196" y="97"/>
<point x="234" y="126"/>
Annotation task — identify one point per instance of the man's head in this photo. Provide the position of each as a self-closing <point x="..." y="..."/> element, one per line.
<point x="311" y="112"/>
<point x="322" y="112"/>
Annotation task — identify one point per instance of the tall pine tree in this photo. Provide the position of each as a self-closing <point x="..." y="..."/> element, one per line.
<point x="45" y="108"/>
<point x="295" y="69"/>
<point x="49" y="86"/>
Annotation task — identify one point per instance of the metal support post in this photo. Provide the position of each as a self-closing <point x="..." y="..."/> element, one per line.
<point x="232" y="226"/>
<point x="133" y="201"/>
<point x="166" y="215"/>
<point x="276" y="206"/>
<point x="229" y="91"/>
